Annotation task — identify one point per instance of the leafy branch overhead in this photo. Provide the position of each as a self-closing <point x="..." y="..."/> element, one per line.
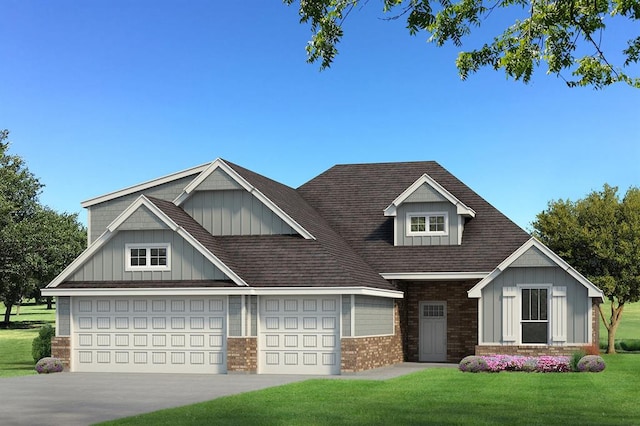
<point x="569" y="35"/>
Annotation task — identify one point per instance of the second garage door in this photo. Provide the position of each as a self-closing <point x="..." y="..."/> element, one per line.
<point x="156" y="334"/>
<point x="299" y="335"/>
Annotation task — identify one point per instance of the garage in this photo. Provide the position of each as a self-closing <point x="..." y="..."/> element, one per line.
<point x="149" y="334"/>
<point x="299" y="335"/>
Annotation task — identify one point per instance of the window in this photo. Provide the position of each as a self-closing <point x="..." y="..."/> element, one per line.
<point x="427" y="224"/>
<point x="148" y="257"/>
<point x="535" y="315"/>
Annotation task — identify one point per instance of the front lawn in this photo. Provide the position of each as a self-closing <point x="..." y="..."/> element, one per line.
<point x="434" y="396"/>
<point x="15" y="341"/>
<point x="629" y="326"/>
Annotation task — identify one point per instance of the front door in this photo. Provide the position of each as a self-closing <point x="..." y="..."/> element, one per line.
<point x="433" y="331"/>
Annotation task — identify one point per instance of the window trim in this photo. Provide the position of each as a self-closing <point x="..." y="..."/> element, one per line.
<point x="426" y="232"/>
<point x="148" y="267"/>
<point x="550" y="319"/>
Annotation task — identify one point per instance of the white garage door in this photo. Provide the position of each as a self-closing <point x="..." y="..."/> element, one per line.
<point x="157" y="334"/>
<point x="299" y="335"/>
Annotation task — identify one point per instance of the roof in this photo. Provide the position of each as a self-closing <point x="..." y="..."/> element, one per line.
<point x="353" y="197"/>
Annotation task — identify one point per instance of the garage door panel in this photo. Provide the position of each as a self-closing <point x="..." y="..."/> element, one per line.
<point x="299" y="335"/>
<point x="150" y="335"/>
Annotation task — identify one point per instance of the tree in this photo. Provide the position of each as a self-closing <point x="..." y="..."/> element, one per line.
<point x="569" y="35"/>
<point x="599" y="236"/>
<point x="36" y="242"/>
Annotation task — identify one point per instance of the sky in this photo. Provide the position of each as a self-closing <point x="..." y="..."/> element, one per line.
<point x="105" y="94"/>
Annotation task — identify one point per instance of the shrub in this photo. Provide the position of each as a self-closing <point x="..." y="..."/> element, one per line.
<point x="591" y="363"/>
<point x="41" y="346"/>
<point x="630" y="345"/>
<point x="473" y="364"/>
<point x="575" y="359"/>
<point x="49" y="365"/>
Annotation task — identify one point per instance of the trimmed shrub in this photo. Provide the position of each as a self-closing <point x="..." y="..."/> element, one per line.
<point x="591" y="363"/>
<point x="41" y="346"/>
<point x="473" y="364"/>
<point x="630" y="345"/>
<point x="49" y="365"/>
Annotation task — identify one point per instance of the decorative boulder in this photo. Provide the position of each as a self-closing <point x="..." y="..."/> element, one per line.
<point x="473" y="364"/>
<point x="591" y="363"/>
<point x="49" y="365"/>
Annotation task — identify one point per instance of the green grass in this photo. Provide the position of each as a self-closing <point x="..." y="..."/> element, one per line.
<point x="629" y="326"/>
<point x="15" y="342"/>
<point x="434" y="396"/>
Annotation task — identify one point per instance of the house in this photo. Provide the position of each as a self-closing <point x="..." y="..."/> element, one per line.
<point x="217" y="269"/>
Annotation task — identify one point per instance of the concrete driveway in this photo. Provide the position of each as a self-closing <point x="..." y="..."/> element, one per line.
<point x="86" y="398"/>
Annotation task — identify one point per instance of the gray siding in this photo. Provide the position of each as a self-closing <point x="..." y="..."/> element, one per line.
<point x="445" y="207"/>
<point x="532" y="257"/>
<point x="142" y="219"/>
<point x="577" y="301"/>
<point x="108" y="264"/>
<point x="104" y="213"/>
<point x="373" y="316"/>
<point x="252" y="323"/>
<point x="63" y="310"/>
<point x="218" y="180"/>
<point x="234" y="212"/>
<point x="425" y="194"/>
<point x="235" y="316"/>
<point x="346" y="315"/>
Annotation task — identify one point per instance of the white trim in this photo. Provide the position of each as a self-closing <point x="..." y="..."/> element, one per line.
<point x="220" y="164"/>
<point x="426" y="232"/>
<point x="352" y="317"/>
<point x="230" y="291"/>
<point x="461" y="208"/>
<point x="112" y="229"/>
<point x="142" y="186"/>
<point x="88" y="227"/>
<point x="592" y="290"/>
<point x="590" y="322"/>
<point x="148" y="267"/>
<point x="433" y="276"/>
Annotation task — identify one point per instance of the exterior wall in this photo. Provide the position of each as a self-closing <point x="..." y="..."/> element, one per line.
<point x="346" y="315"/>
<point x="364" y="353"/>
<point x="577" y="301"/>
<point x="101" y="215"/>
<point x="373" y="316"/>
<point x="234" y="212"/>
<point x="63" y="315"/>
<point x="109" y="263"/>
<point x="242" y="355"/>
<point x="528" y="350"/>
<point x="250" y="315"/>
<point x="462" y="317"/>
<point x="425" y="194"/>
<point x="61" y="349"/>
<point x="444" y="240"/>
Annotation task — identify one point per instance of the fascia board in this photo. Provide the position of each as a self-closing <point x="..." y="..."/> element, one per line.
<point x="433" y="276"/>
<point x="203" y="291"/>
<point x="219" y="163"/>
<point x="143" y="186"/>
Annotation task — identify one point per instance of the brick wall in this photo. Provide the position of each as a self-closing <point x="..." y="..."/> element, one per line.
<point x="527" y="350"/>
<point x="462" y="317"/>
<point x="242" y="354"/>
<point x="365" y="353"/>
<point x="595" y="321"/>
<point x="61" y="349"/>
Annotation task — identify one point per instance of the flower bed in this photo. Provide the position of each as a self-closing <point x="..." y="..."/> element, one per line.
<point x="496" y="363"/>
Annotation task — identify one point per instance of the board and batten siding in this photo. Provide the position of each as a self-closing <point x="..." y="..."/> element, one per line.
<point x="108" y="264"/>
<point x="576" y="297"/>
<point x="234" y="212"/>
<point x="373" y="316"/>
<point x="427" y="207"/>
<point x="102" y="214"/>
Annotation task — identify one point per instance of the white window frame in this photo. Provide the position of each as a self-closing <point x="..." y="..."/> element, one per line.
<point x="148" y="267"/>
<point x="426" y="216"/>
<point x="550" y="319"/>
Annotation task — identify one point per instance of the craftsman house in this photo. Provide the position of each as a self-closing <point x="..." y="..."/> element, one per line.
<point x="217" y="269"/>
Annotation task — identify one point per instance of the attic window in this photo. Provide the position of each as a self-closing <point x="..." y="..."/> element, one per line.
<point x="427" y="224"/>
<point x="148" y="257"/>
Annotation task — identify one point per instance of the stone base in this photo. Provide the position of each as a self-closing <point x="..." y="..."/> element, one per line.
<point x="61" y="349"/>
<point x="242" y="355"/>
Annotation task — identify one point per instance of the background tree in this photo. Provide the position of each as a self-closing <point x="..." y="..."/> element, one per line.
<point x="36" y="242"/>
<point x="599" y="236"/>
<point x="569" y="35"/>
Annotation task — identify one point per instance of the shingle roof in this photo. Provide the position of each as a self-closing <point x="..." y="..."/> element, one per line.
<point x="352" y="199"/>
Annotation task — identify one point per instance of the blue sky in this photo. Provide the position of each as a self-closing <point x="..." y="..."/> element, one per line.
<point x="105" y="94"/>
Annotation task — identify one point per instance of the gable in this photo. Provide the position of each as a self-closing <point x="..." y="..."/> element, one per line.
<point x="143" y="219"/>
<point x="425" y="194"/>
<point x="533" y="257"/>
<point x="218" y="180"/>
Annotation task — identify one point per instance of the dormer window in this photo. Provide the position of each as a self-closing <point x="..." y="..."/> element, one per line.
<point x="427" y="224"/>
<point x="148" y="257"/>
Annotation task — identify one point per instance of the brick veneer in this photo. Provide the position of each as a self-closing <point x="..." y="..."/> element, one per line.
<point x="242" y="354"/>
<point x="365" y="353"/>
<point x="61" y="349"/>
<point x="462" y="317"/>
<point x="595" y="321"/>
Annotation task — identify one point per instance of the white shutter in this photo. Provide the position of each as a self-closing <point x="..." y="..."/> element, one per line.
<point x="559" y="314"/>
<point x="509" y="317"/>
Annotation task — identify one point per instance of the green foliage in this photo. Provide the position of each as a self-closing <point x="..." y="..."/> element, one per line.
<point x="41" y="346"/>
<point x="599" y="236"/>
<point x="630" y="345"/>
<point x="575" y="359"/>
<point x="567" y="35"/>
